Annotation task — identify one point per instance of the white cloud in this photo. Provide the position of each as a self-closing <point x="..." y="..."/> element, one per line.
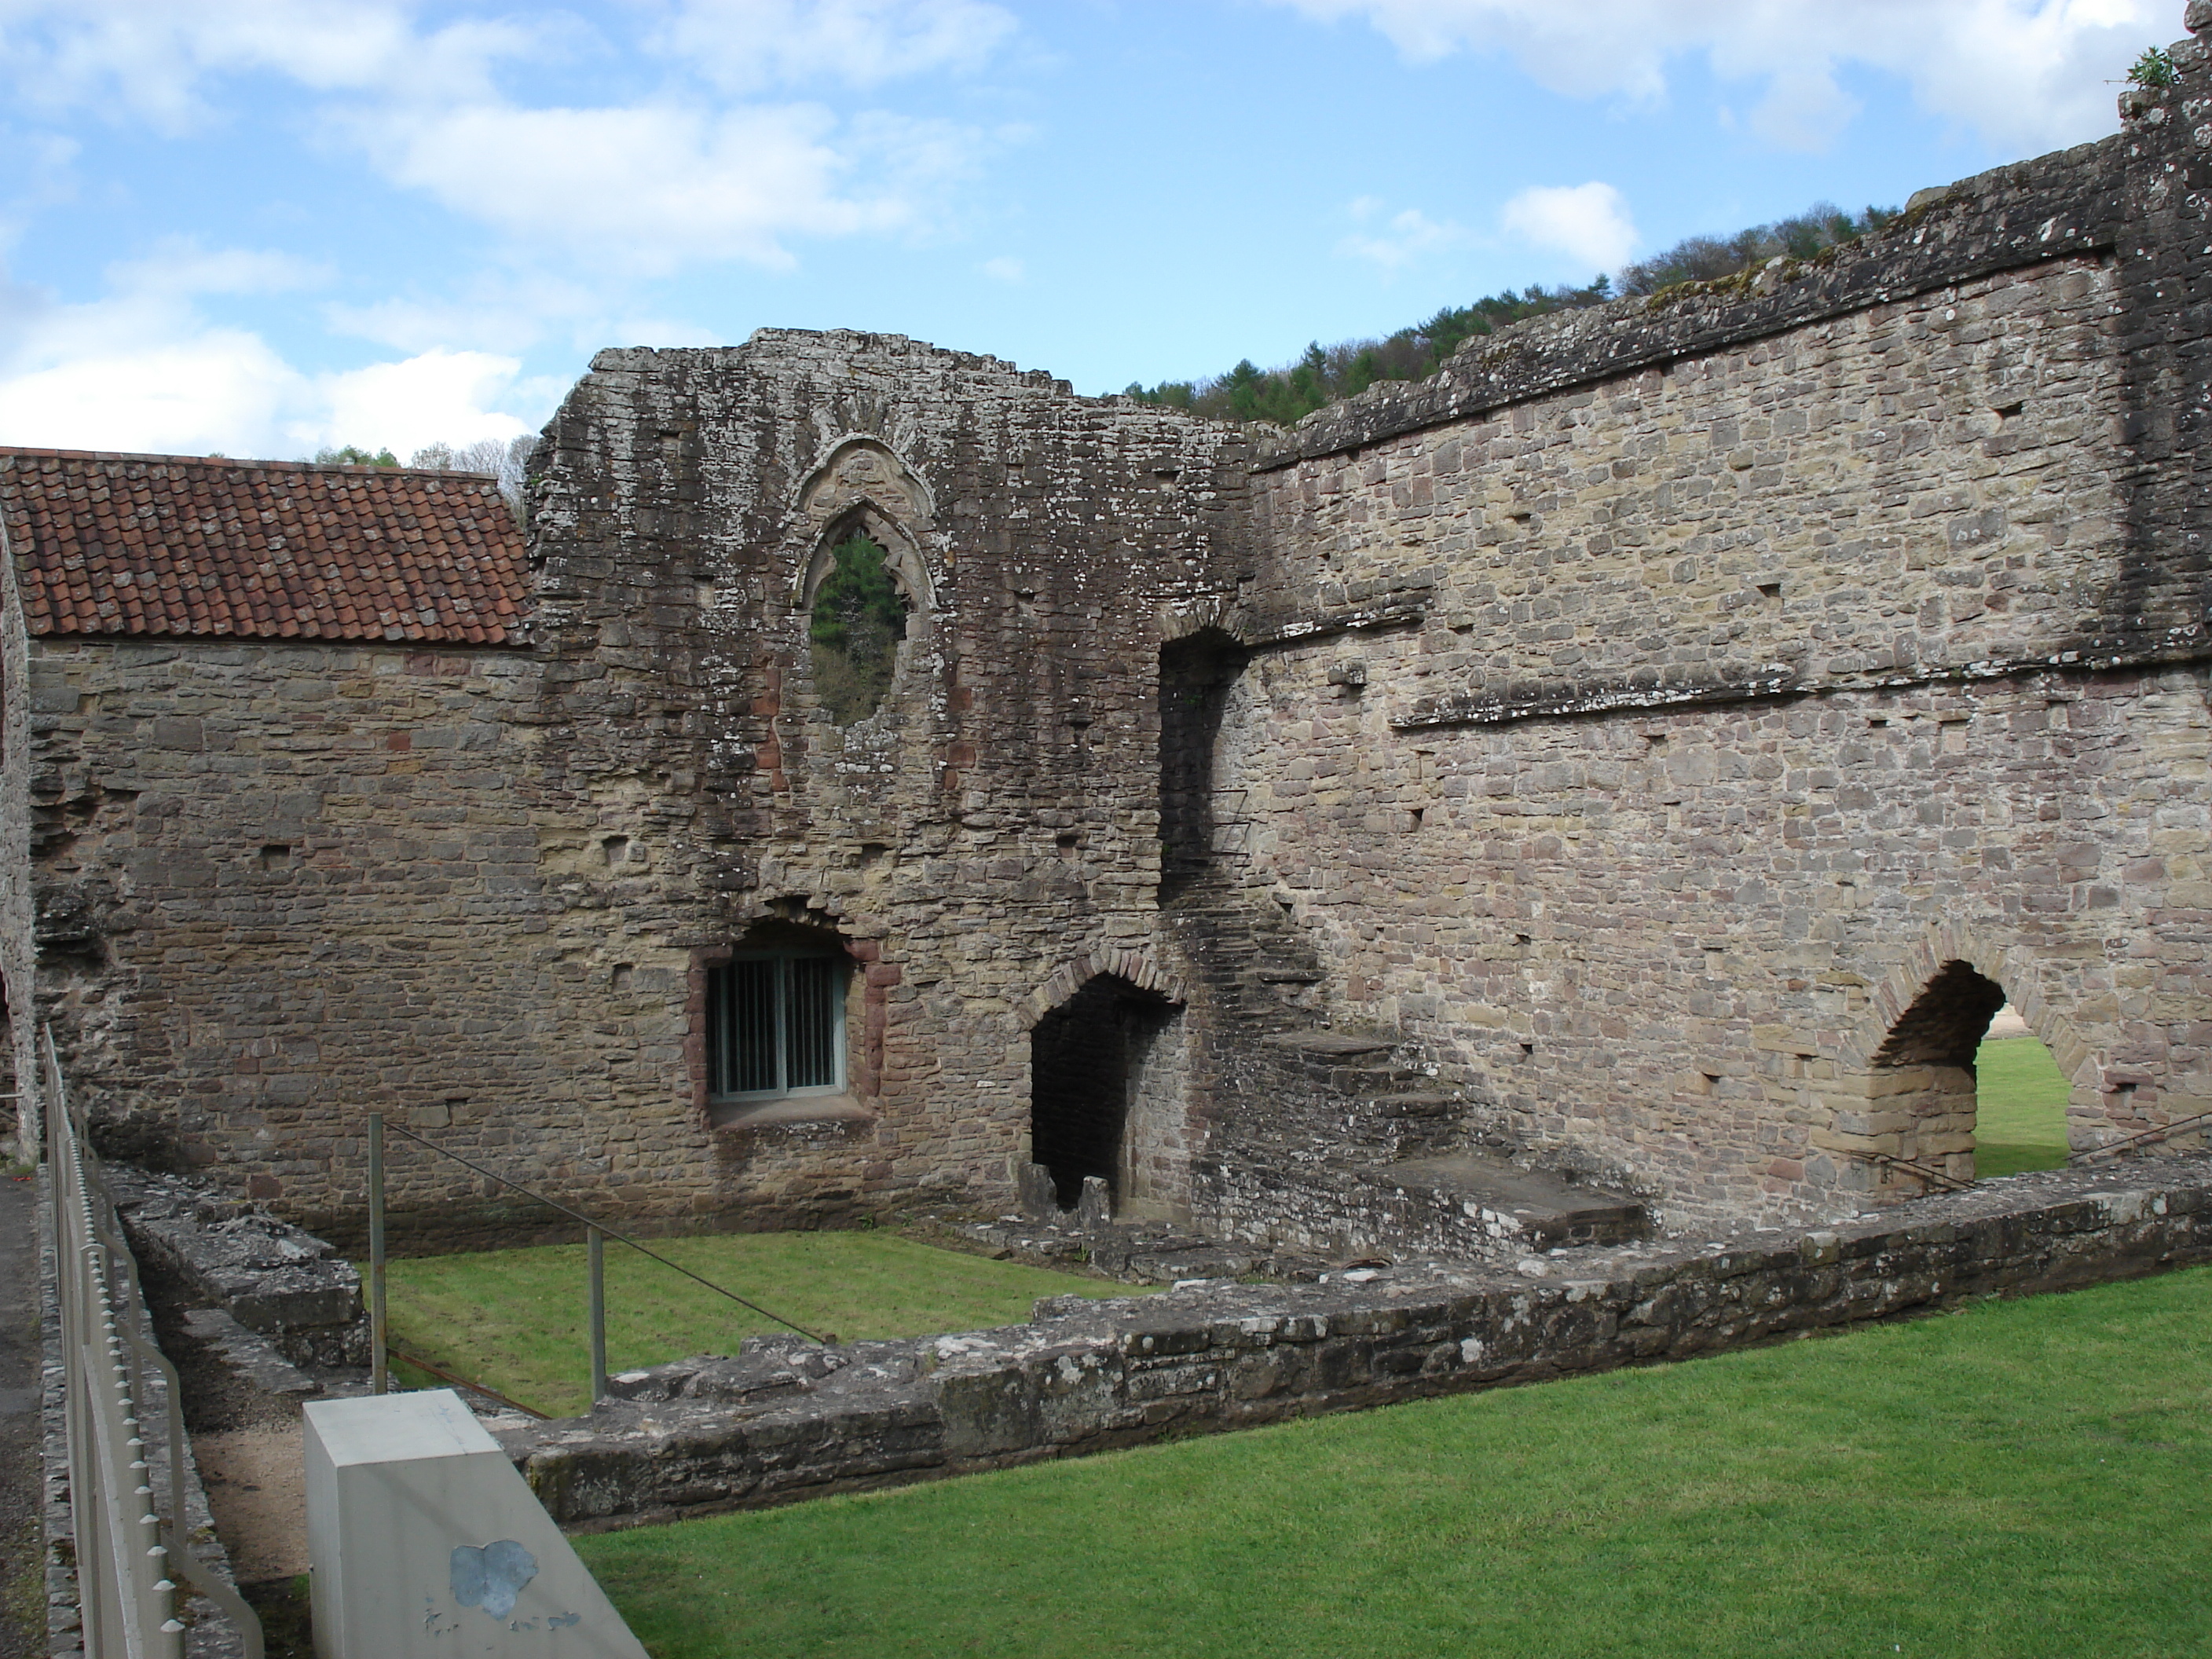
<point x="144" y="369"/>
<point x="1803" y="110"/>
<point x="741" y="45"/>
<point x="1003" y="269"/>
<point x="179" y="265"/>
<point x="433" y="396"/>
<point x="2028" y="74"/>
<point x="152" y="57"/>
<point x="641" y="189"/>
<point x="675" y="175"/>
<point x="1589" y="223"/>
<point x="1399" y="240"/>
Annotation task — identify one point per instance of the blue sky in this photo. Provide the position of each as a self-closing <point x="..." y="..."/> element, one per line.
<point x="265" y="226"/>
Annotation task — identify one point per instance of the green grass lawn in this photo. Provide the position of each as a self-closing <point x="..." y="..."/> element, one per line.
<point x="516" y="1319"/>
<point x="2020" y="1479"/>
<point x="2020" y="1120"/>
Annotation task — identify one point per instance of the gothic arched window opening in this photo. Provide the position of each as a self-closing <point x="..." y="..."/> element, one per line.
<point x="859" y="620"/>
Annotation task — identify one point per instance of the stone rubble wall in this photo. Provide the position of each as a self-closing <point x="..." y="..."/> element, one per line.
<point x="1902" y="491"/>
<point x="782" y="1422"/>
<point x="285" y="1286"/>
<point x="1627" y="722"/>
<point x="1673" y="945"/>
<point x="282" y="885"/>
<point x="995" y="826"/>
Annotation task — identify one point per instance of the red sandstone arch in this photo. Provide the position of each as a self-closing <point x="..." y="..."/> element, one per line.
<point x="1135" y="966"/>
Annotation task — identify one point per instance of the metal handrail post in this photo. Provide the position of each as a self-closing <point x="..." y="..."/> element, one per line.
<point x="596" y="1250"/>
<point x="380" y="1378"/>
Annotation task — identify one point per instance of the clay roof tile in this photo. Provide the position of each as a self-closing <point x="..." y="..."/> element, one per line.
<point x="154" y="544"/>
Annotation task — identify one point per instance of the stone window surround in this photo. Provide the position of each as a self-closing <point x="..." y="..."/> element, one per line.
<point x="843" y="1107"/>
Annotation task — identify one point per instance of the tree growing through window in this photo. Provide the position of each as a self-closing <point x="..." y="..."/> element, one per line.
<point x="859" y="618"/>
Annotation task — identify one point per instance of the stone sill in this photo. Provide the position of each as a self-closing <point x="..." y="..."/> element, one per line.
<point x="797" y="1109"/>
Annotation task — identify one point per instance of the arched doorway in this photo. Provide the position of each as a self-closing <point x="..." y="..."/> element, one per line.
<point x="1922" y="1111"/>
<point x="2019" y="1101"/>
<point x="1933" y="1119"/>
<point x="1105" y="1097"/>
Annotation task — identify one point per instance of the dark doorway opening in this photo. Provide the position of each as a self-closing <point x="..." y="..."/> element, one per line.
<point x="1195" y="677"/>
<point x="1084" y="1059"/>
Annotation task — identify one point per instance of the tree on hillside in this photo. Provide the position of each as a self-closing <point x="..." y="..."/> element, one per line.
<point x="1708" y="258"/>
<point x="1326" y="373"/>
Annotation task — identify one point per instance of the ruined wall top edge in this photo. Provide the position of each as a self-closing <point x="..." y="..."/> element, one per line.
<point x="2071" y="202"/>
<point x="766" y="345"/>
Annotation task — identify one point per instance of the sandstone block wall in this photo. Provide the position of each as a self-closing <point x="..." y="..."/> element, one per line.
<point x="283" y="884"/>
<point x="1641" y="714"/>
<point x="1617" y="732"/>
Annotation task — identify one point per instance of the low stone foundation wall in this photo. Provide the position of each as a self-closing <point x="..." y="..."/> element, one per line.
<point x="284" y="1285"/>
<point x="1090" y="1375"/>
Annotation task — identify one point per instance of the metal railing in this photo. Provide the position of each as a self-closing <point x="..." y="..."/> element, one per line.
<point x="596" y="1233"/>
<point x="129" y="1553"/>
<point x="1943" y="1180"/>
<point x="2141" y="1138"/>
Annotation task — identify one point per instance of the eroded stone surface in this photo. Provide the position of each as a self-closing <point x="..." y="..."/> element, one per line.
<point x="1579" y="762"/>
<point x="773" y="1425"/>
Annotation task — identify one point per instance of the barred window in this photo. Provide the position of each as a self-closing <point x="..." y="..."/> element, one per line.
<point x="775" y="1025"/>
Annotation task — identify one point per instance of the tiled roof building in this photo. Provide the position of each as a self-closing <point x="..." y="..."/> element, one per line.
<point x="176" y="545"/>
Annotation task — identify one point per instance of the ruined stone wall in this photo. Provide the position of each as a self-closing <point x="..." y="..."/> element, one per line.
<point x="786" y="1421"/>
<point x="284" y="885"/>
<point x="1676" y="942"/>
<point x="1640" y="713"/>
<point x="1615" y="733"/>
<point x="995" y="821"/>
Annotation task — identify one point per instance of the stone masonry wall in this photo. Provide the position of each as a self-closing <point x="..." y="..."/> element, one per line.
<point x="787" y="1421"/>
<point x="996" y="824"/>
<point x="284" y="885"/>
<point x="1640" y="713"/>
<point x="1619" y="729"/>
<point x="1676" y="942"/>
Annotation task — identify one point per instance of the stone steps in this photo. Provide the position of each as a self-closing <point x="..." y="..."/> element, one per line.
<point x="1540" y="1210"/>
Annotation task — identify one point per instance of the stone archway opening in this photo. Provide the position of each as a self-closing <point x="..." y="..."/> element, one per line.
<point x="2019" y="1101"/>
<point x="1961" y="1090"/>
<point x="1923" y="1103"/>
<point x="1104" y="1098"/>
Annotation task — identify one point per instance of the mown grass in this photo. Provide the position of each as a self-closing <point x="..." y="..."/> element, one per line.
<point x="2020" y="1121"/>
<point x="2020" y="1478"/>
<point x="516" y="1320"/>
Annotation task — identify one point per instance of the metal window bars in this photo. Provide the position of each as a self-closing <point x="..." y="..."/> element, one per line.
<point x="129" y="1553"/>
<point x="775" y="1024"/>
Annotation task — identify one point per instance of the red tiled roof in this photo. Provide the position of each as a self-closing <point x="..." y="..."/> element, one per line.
<point x="174" y="544"/>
